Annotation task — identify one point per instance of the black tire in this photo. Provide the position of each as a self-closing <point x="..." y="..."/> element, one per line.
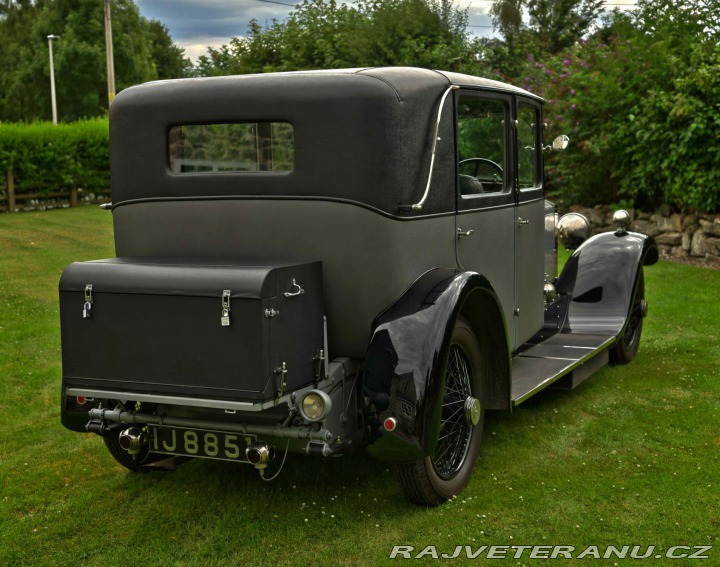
<point x="438" y="477"/>
<point x="628" y="343"/>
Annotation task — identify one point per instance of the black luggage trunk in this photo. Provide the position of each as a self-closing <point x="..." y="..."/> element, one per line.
<point x="223" y="330"/>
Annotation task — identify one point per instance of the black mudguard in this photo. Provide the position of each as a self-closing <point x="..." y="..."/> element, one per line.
<point x="600" y="279"/>
<point x="404" y="370"/>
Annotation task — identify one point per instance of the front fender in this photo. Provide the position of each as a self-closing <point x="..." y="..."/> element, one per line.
<point x="404" y="370"/>
<point x="600" y="280"/>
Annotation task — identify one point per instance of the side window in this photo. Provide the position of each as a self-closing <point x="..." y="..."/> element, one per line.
<point x="481" y="146"/>
<point x="528" y="147"/>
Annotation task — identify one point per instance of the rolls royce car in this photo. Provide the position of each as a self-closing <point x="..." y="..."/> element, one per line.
<point x="326" y="262"/>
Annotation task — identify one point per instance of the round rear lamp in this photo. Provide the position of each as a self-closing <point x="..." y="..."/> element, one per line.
<point x="390" y="423"/>
<point x="315" y="405"/>
<point x="81" y="400"/>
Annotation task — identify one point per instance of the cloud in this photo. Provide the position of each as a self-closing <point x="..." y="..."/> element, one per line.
<point x="196" y="25"/>
<point x="188" y="19"/>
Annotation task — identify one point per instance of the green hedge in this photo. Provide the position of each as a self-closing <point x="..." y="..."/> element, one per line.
<point x="46" y="158"/>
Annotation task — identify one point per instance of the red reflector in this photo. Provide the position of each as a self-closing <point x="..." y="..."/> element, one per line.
<point x="81" y="400"/>
<point x="390" y="424"/>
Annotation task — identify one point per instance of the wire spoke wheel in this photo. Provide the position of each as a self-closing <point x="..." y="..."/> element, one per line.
<point x="445" y="473"/>
<point x="454" y="439"/>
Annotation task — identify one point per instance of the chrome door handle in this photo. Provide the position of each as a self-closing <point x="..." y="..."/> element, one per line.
<point x="460" y="233"/>
<point x="523" y="221"/>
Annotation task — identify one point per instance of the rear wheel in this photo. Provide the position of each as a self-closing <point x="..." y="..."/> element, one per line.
<point x="628" y="343"/>
<point x="438" y="477"/>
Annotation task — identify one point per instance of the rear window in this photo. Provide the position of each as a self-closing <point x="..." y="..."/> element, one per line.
<point x="215" y="148"/>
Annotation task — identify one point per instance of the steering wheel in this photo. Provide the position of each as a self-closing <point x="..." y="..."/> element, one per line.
<point x="478" y="161"/>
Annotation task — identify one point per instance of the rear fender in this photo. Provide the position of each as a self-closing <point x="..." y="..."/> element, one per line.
<point x="404" y="370"/>
<point x="600" y="281"/>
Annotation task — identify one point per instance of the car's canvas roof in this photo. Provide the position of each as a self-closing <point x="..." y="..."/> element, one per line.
<point x="363" y="135"/>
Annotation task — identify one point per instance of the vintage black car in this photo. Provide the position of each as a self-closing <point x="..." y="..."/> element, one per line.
<point x="321" y="262"/>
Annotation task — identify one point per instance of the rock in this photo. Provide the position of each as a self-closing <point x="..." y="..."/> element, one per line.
<point x="678" y="253"/>
<point x="686" y="241"/>
<point x="676" y="221"/>
<point x="690" y="223"/>
<point x="644" y="226"/>
<point x="664" y="224"/>
<point x="664" y="250"/>
<point x="595" y="218"/>
<point x="669" y="239"/>
<point x="712" y="246"/>
<point x="697" y="244"/>
<point x="642" y="216"/>
<point x="708" y="227"/>
<point x="664" y="210"/>
<point x="712" y="259"/>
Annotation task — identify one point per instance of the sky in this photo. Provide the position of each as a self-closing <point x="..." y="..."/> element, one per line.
<point x="196" y="24"/>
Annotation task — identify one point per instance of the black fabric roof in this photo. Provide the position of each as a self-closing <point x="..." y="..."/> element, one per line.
<point x="363" y="135"/>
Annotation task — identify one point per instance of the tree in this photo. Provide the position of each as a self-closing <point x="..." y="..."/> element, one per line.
<point x="552" y="26"/>
<point x="558" y="24"/>
<point x="319" y="35"/>
<point x="169" y="59"/>
<point x="639" y="102"/>
<point x="79" y="56"/>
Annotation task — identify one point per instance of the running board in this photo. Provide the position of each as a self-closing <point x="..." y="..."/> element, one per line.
<point x="572" y="357"/>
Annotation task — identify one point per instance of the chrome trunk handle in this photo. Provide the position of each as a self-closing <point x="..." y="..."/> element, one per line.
<point x="299" y="291"/>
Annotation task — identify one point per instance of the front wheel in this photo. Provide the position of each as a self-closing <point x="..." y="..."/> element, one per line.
<point x="445" y="473"/>
<point x="627" y="345"/>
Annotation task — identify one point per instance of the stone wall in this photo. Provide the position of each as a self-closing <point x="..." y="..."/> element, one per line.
<point x="692" y="235"/>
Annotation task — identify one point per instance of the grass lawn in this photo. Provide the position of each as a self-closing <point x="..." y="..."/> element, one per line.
<point x="629" y="458"/>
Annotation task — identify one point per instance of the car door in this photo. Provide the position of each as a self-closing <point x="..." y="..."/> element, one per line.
<point x="529" y="219"/>
<point x="485" y="193"/>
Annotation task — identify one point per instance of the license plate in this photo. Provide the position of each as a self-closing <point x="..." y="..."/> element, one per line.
<point x="200" y="443"/>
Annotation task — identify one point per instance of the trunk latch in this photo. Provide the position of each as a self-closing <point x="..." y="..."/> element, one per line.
<point x="87" y="308"/>
<point x="225" y="318"/>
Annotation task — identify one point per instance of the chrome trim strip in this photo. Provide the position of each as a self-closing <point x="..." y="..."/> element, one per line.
<point x="419" y="205"/>
<point x="552" y="358"/>
<point x="168" y="400"/>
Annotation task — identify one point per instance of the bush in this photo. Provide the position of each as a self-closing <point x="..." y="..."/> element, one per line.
<point x="639" y="101"/>
<point x="47" y="158"/>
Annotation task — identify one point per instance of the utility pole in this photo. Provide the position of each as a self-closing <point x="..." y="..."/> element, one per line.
<point x="52" y="78"/>
<point x="109" y="54"/>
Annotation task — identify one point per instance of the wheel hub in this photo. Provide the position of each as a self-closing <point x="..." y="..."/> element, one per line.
<point x="472" y="411"/>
